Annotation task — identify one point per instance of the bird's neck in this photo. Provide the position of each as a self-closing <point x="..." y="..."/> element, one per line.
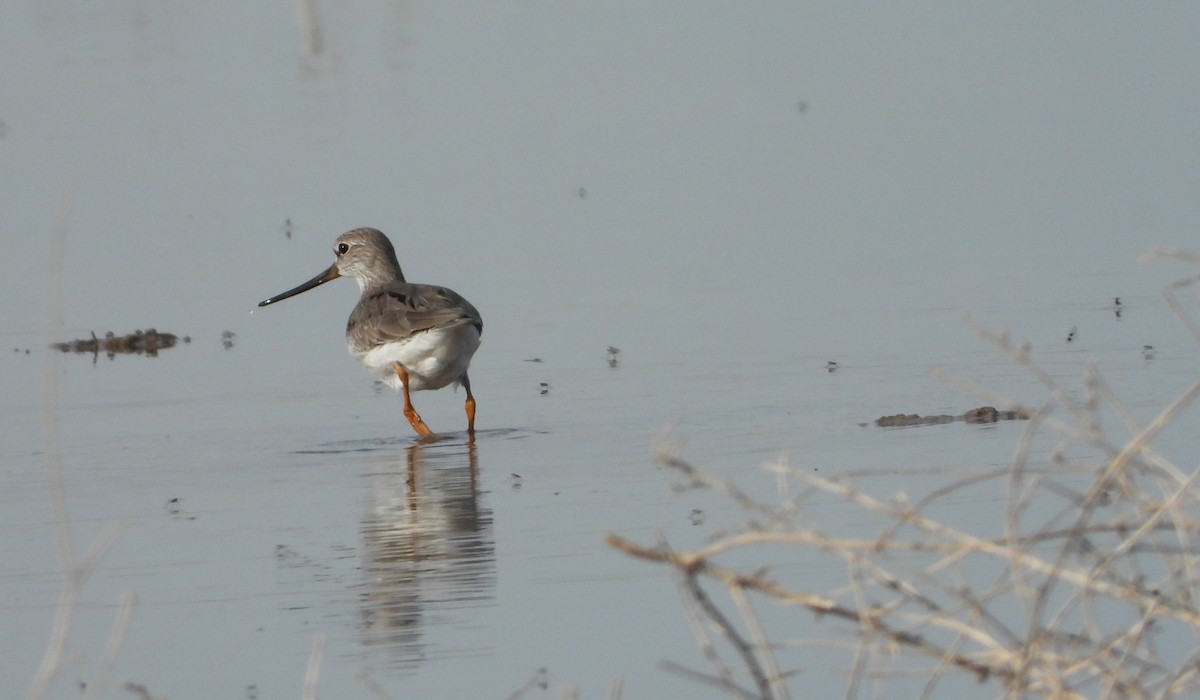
<point x="370" y="282"/>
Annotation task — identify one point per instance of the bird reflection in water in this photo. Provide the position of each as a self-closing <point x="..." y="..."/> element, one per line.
<point x="429" y="554"/>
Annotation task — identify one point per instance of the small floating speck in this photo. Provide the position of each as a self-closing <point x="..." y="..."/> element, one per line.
<point x="1148" y="352"/>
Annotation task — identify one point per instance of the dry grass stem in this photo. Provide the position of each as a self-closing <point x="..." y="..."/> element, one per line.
<point x="141" y="691"/>
<point x="1083" y="585"/>
<point x="363" y="676"/>
<point x="537" y="680"/>
<point x="116" y="637"/>
<point x="312" y="672"/>
<point x="76" y="570"/>
<point x="614" y="689"/>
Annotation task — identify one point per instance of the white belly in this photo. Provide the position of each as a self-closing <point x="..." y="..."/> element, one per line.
<point x="432" y="358"/>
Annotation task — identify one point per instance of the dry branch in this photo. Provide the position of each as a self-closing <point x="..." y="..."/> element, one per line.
<point x="1095" y="561"/>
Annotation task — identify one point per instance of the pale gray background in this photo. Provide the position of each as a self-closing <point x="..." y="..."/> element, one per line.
<point x="768" y="187"/>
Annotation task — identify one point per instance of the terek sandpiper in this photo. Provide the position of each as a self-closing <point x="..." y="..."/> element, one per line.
<point x="412" y="336"/>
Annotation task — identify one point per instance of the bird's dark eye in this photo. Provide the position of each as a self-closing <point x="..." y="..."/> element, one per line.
<point x="342" y="248"/>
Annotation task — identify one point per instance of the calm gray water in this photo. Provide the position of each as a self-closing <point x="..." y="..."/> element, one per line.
<point x="731" y="197"/>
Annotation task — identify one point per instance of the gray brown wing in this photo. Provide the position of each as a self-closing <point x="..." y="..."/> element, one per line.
<point x="400" y="310"/>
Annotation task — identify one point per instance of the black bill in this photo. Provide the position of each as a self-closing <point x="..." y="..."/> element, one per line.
<point x="331" y="273"/>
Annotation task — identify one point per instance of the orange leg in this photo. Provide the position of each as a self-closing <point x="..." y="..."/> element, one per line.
<point x="470" y="405"/>
<point x="414" y="418"/>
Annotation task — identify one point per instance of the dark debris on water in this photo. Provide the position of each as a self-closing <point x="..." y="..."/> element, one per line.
<point x="139" y="342"/>
<point x="983" y="414"/>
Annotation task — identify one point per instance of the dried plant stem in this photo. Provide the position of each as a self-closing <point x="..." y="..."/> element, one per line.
<point x="75" y="570"/>
<point x="818" y="605"/>
<point x="614" y="689"/>
<point x="116" y="637"/>
<point x="312" y="671"/>
<point x="537" y="680"/>
<point x="1093" y="564"/>
<point x="363" y="676"/>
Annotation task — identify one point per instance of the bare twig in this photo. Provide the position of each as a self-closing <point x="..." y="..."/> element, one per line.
<point x="76" y="570"/>
<point x="363" y="676"/>
<point x="312" y="672"/>
<point x="614" y="689"/>
<point x="1095" y="557"/>
<point x="116" y="637"/>
<point x="537" y="680"/>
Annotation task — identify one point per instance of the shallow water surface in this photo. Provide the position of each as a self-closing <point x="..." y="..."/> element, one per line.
<point x="257" y="515"/>
<point x="609" y="177"/>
